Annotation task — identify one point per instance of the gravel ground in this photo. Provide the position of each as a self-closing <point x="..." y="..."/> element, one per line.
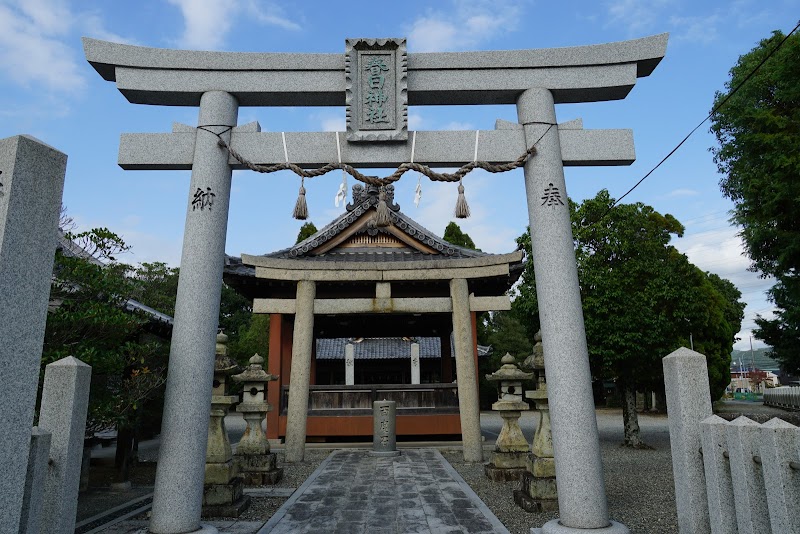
<point x="639" y="483"/>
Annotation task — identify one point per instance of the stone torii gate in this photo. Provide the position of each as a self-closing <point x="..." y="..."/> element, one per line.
<point x="377" y="80"/>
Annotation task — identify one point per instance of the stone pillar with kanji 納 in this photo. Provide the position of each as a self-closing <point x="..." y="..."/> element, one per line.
<point x="511" y="447"/>
<point x="538" y="490"/>
<point x="223" y="492"/>
<point x="178" y="492"/>
<point x="253" y="457"/>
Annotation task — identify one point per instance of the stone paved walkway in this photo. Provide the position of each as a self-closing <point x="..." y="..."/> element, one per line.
<point x="354" y="492"/>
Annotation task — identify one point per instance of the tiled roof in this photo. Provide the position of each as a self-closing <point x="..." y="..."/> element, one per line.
<point x="384" y="348"/>
<point x="364" y="200"/>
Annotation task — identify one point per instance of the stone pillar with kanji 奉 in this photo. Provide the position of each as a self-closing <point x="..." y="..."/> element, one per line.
<point x="256" y="463"/>
<point x="511" y="447"/>
<point x="538" y="491"/>
<point x="223" y="491"/>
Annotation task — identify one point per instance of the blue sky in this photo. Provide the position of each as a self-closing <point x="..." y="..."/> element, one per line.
<point x="48" y="90"/>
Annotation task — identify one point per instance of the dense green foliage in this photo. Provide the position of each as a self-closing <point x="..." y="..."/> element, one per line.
<point x="307" y="230"/>
<point x="757" y="130"/>
<point x="87" y="320"/>
<point x="641" y="298"/>
<point x="454" y="235"/>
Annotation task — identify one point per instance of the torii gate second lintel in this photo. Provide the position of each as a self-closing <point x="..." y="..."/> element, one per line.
<point x="534" y="80"/>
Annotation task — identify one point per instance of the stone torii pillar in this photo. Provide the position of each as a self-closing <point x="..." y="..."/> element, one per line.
<point x="533" y="80"/>
<point x="178" y="493"/>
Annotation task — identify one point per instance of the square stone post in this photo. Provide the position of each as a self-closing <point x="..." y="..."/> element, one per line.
<point x="467" y="375"/>
<point x="178" y="493"/>
<point x="31" y="183"/>
<point x="300" y="376"/>
<point x="579" y="469"/>
<point x="688" y="404"/>
<point x="65" y="399"/>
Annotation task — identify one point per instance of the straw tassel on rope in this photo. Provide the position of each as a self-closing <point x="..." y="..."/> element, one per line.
<point x="300" y="207"/>
<point x="382" y="211"/>
<point x="462" y="208"/>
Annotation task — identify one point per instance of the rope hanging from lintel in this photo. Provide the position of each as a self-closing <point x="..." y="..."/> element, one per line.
<point x="374" y="180"/>
<point x="301" y="208"/>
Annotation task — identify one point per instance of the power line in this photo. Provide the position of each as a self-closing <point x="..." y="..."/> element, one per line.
<point x="713" y="111"/>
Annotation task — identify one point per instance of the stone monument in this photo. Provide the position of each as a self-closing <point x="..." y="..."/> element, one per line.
<point x="31" y="183"/>
<point x="384" y="434"/>
<point x="533" y="80"/>
<point x="511" y="447"/>
<point x="253" y="457"/>
<point x="223" y="494"/>
<point x="538" y="491"/>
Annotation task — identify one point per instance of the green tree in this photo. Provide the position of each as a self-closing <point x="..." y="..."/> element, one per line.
<point x="757" y="131"/>
<point x="454" y="235"/>
<point x="641" y="299"/>
<point x="87" y="320"/>
<point x="307" y="230"/>
<point x="156" y="285"/>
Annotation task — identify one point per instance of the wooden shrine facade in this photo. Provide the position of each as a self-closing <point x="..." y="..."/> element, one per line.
<point x="393" y="282"/>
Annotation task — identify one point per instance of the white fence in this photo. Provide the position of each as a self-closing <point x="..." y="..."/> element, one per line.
<point x="730" y="477"/>
<point x="783" y="397"/>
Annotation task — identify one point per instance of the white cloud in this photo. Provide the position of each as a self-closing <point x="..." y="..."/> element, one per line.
<point x="334" y="123"/>
<point x="31" y="52"/>
<point x="271" y="14"/>
<point x="207" y="22"/>
<point x="415" y="121"/>
<point x="695" y="29"/>
<point x="466" y="25"/>
<point x="683" y="193"/>
<point x="719" y="251"/>
<point x="458" y="126"/>
<point x="642" y="16"/>
<point x="95" y="27"/>
<point x="635" y="15"/>
<point x="49" y="16"/>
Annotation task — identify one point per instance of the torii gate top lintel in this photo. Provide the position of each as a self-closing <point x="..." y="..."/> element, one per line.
<point x="180" y="77"/>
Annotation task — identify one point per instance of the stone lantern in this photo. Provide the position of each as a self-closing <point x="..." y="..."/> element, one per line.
<point x="538" y="484"/>
<point x="253" y="456"/>
<point x="511" y="448"/>
<point x="223" y="487"/>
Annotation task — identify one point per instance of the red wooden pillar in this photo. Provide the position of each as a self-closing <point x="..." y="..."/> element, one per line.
<point x="274" y="368"/>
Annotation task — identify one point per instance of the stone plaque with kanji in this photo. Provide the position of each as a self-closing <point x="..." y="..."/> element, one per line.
<point x="376" y="89"/>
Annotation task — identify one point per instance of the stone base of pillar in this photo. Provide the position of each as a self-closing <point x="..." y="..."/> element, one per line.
<point x="384" y="453"/>
<point x="536" y="494"/>
<point x="532" y="506"/>
<point x="258" y="469"/>
<point x="503" y="474"/>
<point x="555" y="527"/>
<point x="225" y="500"/>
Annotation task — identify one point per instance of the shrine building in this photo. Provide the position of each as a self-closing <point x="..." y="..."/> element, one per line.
<point x="382" y="326"/>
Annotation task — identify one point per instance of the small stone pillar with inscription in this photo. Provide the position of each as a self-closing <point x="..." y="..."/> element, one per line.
<point x="253" y="458"/>
<point x="511" y="448"/>
<point x="384" y="434"/>
<point x="223" y="494"/>
<point x="538" y="491"/>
